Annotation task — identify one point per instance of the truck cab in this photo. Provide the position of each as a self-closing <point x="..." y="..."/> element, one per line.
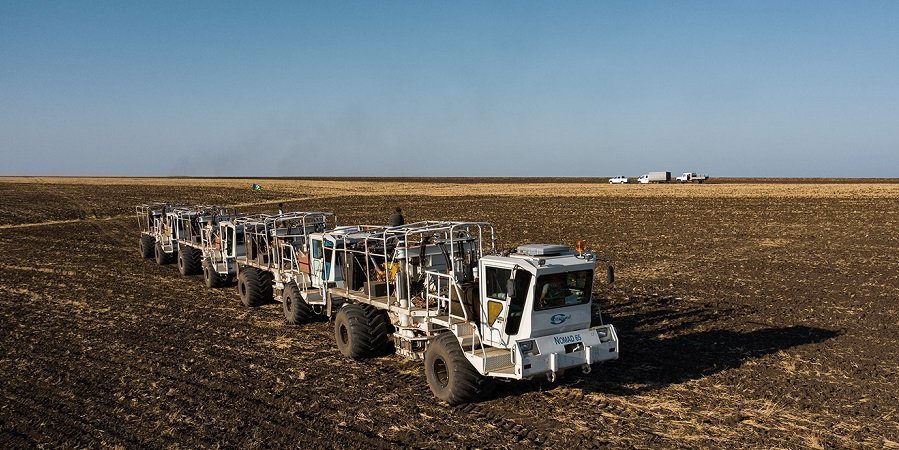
<point x="325" y="265"/>
<point x="537" y="302"/>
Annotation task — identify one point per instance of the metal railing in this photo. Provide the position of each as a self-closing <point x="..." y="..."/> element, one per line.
<point x="441" y="255"/>
<point x="273" y="238"/>
<point x="146" y="213"/>
<point x="395" y="245"/>
<point x="445" y="283"/>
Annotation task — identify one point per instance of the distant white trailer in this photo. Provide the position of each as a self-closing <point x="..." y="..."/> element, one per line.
<point x="692" y="177"/>
<point x="655" y="177"/>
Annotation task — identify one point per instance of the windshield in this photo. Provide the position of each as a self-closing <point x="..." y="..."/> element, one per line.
<point x="563" y="289"/>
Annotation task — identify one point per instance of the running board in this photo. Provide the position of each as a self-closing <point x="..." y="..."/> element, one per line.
<point x="491" y="361"/>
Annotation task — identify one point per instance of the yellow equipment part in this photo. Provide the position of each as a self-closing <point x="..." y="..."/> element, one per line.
<point x="388" y="270"/>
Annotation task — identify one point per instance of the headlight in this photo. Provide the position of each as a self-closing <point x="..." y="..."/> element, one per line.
<point x="528" y="348"/>
<point x="603" y="335"/>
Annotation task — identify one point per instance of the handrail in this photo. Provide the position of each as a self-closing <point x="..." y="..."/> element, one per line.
<point x="405" y="244"/>
<point x="453" y="286"/>
<point x="290" y="258"/>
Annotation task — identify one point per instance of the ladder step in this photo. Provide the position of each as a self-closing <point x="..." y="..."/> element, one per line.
<point x="441" y="320"/>
<point x="462" y="328"/>
<point x="510" y="369"/>
<point x="494" y="359"/>
<point x="469" y="340"/>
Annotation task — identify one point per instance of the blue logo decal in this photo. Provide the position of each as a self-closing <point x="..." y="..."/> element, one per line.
<point x="559" y="318"/>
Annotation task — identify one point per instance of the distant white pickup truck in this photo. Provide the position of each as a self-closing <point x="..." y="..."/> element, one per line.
<point x="692" y="177"/>
<point x="620" y="179"/>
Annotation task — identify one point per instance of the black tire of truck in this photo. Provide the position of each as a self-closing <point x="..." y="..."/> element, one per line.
<point x="163" y="258"/>
<point x="380" y="331"/>
<point x="212" y="278"/>
<point x="362" y="331"/>
<point x="296" y="310"/>
<point x="147" y="246"/>
<point x="254" y="287"/>
<point x="449" y="374"/>
<point x="189" y="261"/>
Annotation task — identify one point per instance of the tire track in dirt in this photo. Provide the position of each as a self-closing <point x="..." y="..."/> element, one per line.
<point x="622" y="409"/>
<point x="201" y="387"/>
<point x="67" y="416"/>
<point x="398" y="374"/>
<point x="41" y="367"/>
<point x="260" y="402"/>
<point x="102" y="390"/>
<point x="520" y="434"/>
<point x="15" y="431"/>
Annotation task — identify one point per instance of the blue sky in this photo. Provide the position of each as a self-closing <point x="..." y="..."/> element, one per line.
<point x="449" y="88"/>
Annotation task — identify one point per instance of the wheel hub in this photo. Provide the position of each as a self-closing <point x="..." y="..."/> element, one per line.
<point x="441" y="372"/>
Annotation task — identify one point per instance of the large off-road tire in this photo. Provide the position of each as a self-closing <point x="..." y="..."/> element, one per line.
<point x="212" y="278"/>
<point x="362" y="331"/>
<point x="190" y="261"/>
<point x="147" y="246"/>
<point x="296" y="310"/>
<point x="450" y="376"/>
<point x="254" y="286"/>
<point x="162" y="257"/>
<point x="380" y="329"/>
<point x="158" y="254"/>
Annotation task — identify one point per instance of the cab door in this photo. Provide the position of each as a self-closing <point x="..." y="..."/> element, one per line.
<point x="318" y="268"/>
<point x="504" y="290"/>
<point x="494" y="303"/>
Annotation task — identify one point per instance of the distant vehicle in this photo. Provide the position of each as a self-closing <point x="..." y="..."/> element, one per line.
<point x="655" y="177"/>
<point x="620" y="179"/>
<point x="692" y="177"/>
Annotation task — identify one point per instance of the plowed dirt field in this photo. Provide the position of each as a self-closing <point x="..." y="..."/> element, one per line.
<point x="750" y="316"/>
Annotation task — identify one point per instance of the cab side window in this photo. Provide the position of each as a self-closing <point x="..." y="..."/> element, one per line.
<point x="497" y="281"/>
<point x="316" y="249"/>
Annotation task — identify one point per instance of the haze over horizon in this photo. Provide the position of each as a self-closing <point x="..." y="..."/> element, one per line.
<point x="758" y="89"/>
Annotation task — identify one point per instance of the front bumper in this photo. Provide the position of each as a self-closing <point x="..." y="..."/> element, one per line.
<point x="568" y="350"/>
